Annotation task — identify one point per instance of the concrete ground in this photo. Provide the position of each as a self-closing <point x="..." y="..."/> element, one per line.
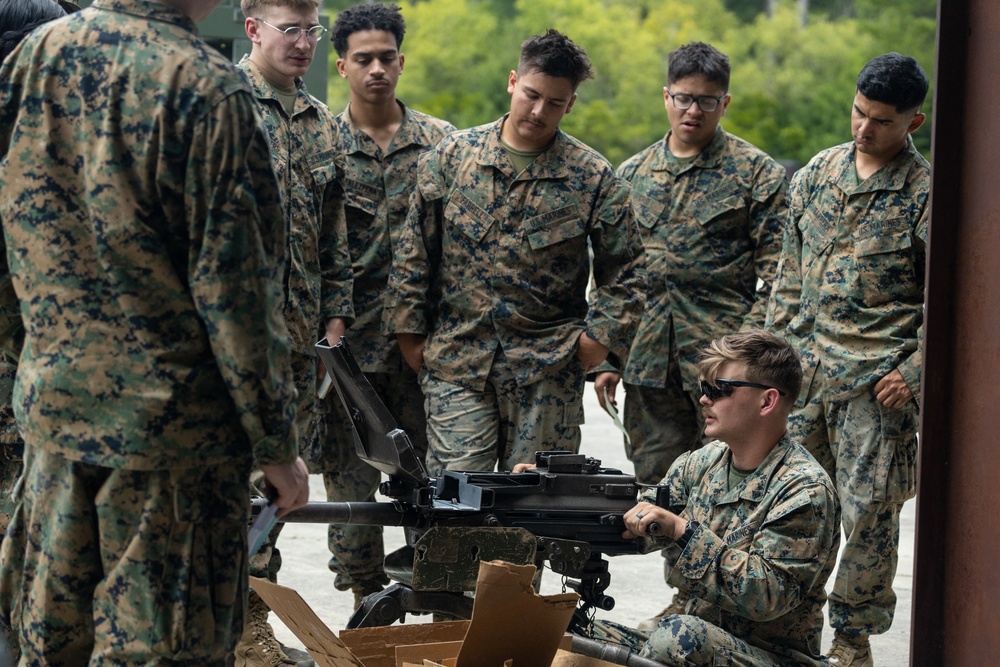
<point x="636" y="581"/>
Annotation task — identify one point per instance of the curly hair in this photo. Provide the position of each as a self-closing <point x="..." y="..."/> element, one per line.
<point x="554" y="54"/>
<point x="367" y="16"/>
<point x="19" y="17"/>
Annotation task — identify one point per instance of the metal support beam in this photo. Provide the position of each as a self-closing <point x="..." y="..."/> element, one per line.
<point x="956" y="598"/>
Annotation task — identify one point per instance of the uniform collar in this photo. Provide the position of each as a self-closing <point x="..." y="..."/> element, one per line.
<point x="263" y="90"/>
<point x="549" y="165"/>
<point x="710" y="156"/>
<point x="754" y="487"/>
<point x="892" y="175"/>
<point x="409" y="132"/>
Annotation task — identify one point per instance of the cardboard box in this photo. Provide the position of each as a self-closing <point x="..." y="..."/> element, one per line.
<point x="511" y="626"/>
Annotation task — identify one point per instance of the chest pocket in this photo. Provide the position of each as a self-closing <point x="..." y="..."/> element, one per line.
<point x="649" y="213"/>
<point x="718" y="209"/>
<point x="554" y="227"/>
<point x="323" y="168"/>
<point x="468" y="217"/>
<point x="885" y="264"/>
<point x="362" y="196"/>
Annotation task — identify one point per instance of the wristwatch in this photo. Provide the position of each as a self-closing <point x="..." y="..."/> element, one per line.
<point x="685" y="537"/>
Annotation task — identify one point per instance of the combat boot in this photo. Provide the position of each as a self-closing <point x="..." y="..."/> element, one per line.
<point x="850" y="652"/>
<point x="676" y="606"/>
<point x="257" y="646"/>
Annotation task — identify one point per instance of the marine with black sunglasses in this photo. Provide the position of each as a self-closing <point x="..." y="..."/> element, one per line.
<point x="752" y="531"/>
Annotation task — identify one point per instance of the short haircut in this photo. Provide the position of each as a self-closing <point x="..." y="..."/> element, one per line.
<point x="698" y="59"/>
<point x="894" y="79"/>
<point x="769" y="359"/>
<point x="554" y="54"/>
<point x="367" y="16"/>
<point x="253" y="8"/>
<point x="19" y="17"/>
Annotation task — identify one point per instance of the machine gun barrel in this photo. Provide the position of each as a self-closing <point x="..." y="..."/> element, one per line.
<point x="363" y="514"/>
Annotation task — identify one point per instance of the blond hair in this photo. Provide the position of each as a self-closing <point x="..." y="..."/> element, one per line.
<point x="251" y="8"/>
<point x="769" y="360"/>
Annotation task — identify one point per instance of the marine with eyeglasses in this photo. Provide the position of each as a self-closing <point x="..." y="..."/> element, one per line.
<point x="710" y="208"/>
<point x="318" y="283"/>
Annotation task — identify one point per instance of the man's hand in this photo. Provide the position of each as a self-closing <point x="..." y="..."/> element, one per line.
<point x="412" y="347"/>
<point x="335" y="328"/>
<point x="291" y="481"/>
<point x="590" y="353"/>
<point x="639" y="518"/>
<point x="607" y="380"/>
<point x="892" y="391"/>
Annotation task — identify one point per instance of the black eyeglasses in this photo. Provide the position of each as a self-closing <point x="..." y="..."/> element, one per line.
<point x="719" y="388"/>
<point x="706" y="103"/>
<point x="292" y="34"/>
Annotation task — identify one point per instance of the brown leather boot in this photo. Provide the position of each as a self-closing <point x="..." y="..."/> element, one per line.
<point x="257" y="646"/>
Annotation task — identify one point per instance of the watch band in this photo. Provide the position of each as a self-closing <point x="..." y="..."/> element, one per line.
<point x="685" y="537"/>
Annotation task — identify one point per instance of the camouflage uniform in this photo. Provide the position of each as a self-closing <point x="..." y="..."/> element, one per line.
<point x="11" y="444"/>
<point x="378" y="185"/>
<point x="492" y="266"/>
<point x="318" y="277"/>
<point x="849" y="293"/>
<point x="711" y="228"/>
<point x="755" y="568"/>
<point x="144" y="249"/>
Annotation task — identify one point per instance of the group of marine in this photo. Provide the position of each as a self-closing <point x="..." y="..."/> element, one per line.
<point x="179" y="232"/>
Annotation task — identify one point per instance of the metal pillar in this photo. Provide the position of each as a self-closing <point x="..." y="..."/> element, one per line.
<point x="956" y="597"/>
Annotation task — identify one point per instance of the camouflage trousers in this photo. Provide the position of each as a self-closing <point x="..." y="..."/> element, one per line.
<point x="505" y="424"/>
<point x="357" y="552"/>
<point x="117" y="567"/>
<point x="662" y="424"/>
<point x="870" y="452"/>
<point x="687" y="641"/>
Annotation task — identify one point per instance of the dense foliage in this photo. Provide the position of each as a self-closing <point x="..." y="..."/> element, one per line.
<point x="794" y="62"/>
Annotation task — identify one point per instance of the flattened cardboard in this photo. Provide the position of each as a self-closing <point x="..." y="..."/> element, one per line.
<point x="324" y="646"/>
<point x="509" y="608"/>
<point x="376" y="647"/>
<point x="512" y="622"/>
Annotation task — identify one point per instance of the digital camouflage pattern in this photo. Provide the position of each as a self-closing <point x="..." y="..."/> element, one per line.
<point x="493" y="267"/>
<point x="872" y="450"/>
<point x="378" y="185"/>
<point x="304" y="150"/>
<point x="506" y="423"/>
<point x="711" y="227"/>
<point x="101" y="586"/>
<point x="145" y="248"/>
<point x="492" y="259"/>
<point x="849" y="293"/>
<point x="850" y="284"/>
<point x="145" y="252"/>
<point x="11" y="444"/>
<point x="756" y="566"/>
<point x="661" y="424"/>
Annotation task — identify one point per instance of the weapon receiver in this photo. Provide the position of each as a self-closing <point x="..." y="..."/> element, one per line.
<point x="568" y="511"/>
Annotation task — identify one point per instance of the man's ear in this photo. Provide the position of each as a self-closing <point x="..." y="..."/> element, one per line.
<point x="769" y="402"/>
<point x="251" y="28"/>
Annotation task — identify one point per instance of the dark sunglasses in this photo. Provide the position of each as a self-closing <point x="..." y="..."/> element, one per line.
<point x="719" y="388"/>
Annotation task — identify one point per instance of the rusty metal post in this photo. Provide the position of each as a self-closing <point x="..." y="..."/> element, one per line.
<point x="956" y="596"/>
